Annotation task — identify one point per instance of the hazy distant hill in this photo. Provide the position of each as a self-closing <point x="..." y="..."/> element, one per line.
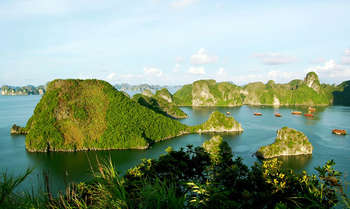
<point x="137" y="89"/>
<point x="24" y="90"/>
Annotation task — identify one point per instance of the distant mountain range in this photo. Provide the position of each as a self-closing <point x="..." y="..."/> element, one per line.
<point x="136" y="89"/>
<point x="24" y="90"/>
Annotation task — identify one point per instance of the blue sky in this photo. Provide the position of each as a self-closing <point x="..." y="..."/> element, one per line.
<point x="173" y="41"/>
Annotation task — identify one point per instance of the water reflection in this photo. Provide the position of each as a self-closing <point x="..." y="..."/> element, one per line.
<point x="298" y="162"/>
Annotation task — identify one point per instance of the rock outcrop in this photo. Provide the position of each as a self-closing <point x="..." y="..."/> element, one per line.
<point x="165" y="94"/>
<point x="17" y="130"/>
<point x="288" y="142"/>
<point x="219" y="122"/>
<point x="147" y="93"/>
<point x="311" y="80"/>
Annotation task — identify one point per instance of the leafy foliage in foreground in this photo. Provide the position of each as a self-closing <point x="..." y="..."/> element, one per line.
<point x="92" y="114"/>
<point x="193" y="178"/>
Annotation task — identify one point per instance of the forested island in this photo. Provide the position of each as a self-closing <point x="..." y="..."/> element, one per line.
<point x="75" y="115"/>
<point x="25" y="90"/>
<point x="297" y="92"/>
<point x="288" y="142"/>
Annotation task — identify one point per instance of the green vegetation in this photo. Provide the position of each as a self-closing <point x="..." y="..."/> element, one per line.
<point x="218" y="122"/>
<point x="294" y="93"/>
<point x="92" y="114"/>
<point x="297" y="92"/>
<point x="288" y="142"/>
<point x="208" y="93"/>
<point x="342" y="94"/>
<point x="189" y="178"/>
<point x="217" y="149"/>
<point x="76" y="115"/>
<point x="183" y="97"/>
<point x="161" y="103"/>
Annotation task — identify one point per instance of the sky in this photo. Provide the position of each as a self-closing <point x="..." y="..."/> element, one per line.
<point x="171" y="42"/>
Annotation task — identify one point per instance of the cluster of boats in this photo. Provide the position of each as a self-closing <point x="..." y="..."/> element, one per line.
<point x="309" y="113"/>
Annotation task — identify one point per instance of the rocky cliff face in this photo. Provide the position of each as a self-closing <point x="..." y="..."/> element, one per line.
<point x="165" y="94"/>
<point x="218" y="122"/>
<point x="209" y="93"/>
<point x="311" y="80"/>
<point x="288" y="142"/>
<point x="201" y="95"/>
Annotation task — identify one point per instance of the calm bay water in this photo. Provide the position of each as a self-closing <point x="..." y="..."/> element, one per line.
<point x="258" y="131"/>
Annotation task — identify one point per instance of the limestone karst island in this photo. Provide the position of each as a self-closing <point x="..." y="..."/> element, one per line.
<point x="76" y="115"/>
<point x="174" y="104"/>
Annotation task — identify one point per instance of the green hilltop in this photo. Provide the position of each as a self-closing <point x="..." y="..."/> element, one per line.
<point x="76" y="115"/>
<point x="297" y="92"/>
<point x="161" y="102"/>
<point x="92" y="114"/>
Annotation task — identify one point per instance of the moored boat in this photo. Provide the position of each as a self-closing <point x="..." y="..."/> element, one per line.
<point x="339" y="132"/>
<point x="309" y="115"/>
<point x="278" y="115"/>
<point x="312" y="109"/>
<point x="258" y="114"/>
<point x="296" y="113"/>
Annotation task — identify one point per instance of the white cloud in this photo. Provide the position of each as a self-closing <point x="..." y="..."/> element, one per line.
<point x="274" y="58"/>
<point x="182" y="3"/>
<point x="318" y="61"/>
<point x="221" y="72"/>
<point x="277" y="76"/>
<point x="202" y="57"/>
<point x="180" y="59"/>
<point x="197" y="70"/>
<point x="177" y="68"/>
<point x="22" y="8"/>
<point x="111" y="76"/>
<point x="347" y="52"/>
<point x="332" y="69"/>
<point x="346" y="58"/>
<point x="280" y="75"/>
<point x="152" y="71"/>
